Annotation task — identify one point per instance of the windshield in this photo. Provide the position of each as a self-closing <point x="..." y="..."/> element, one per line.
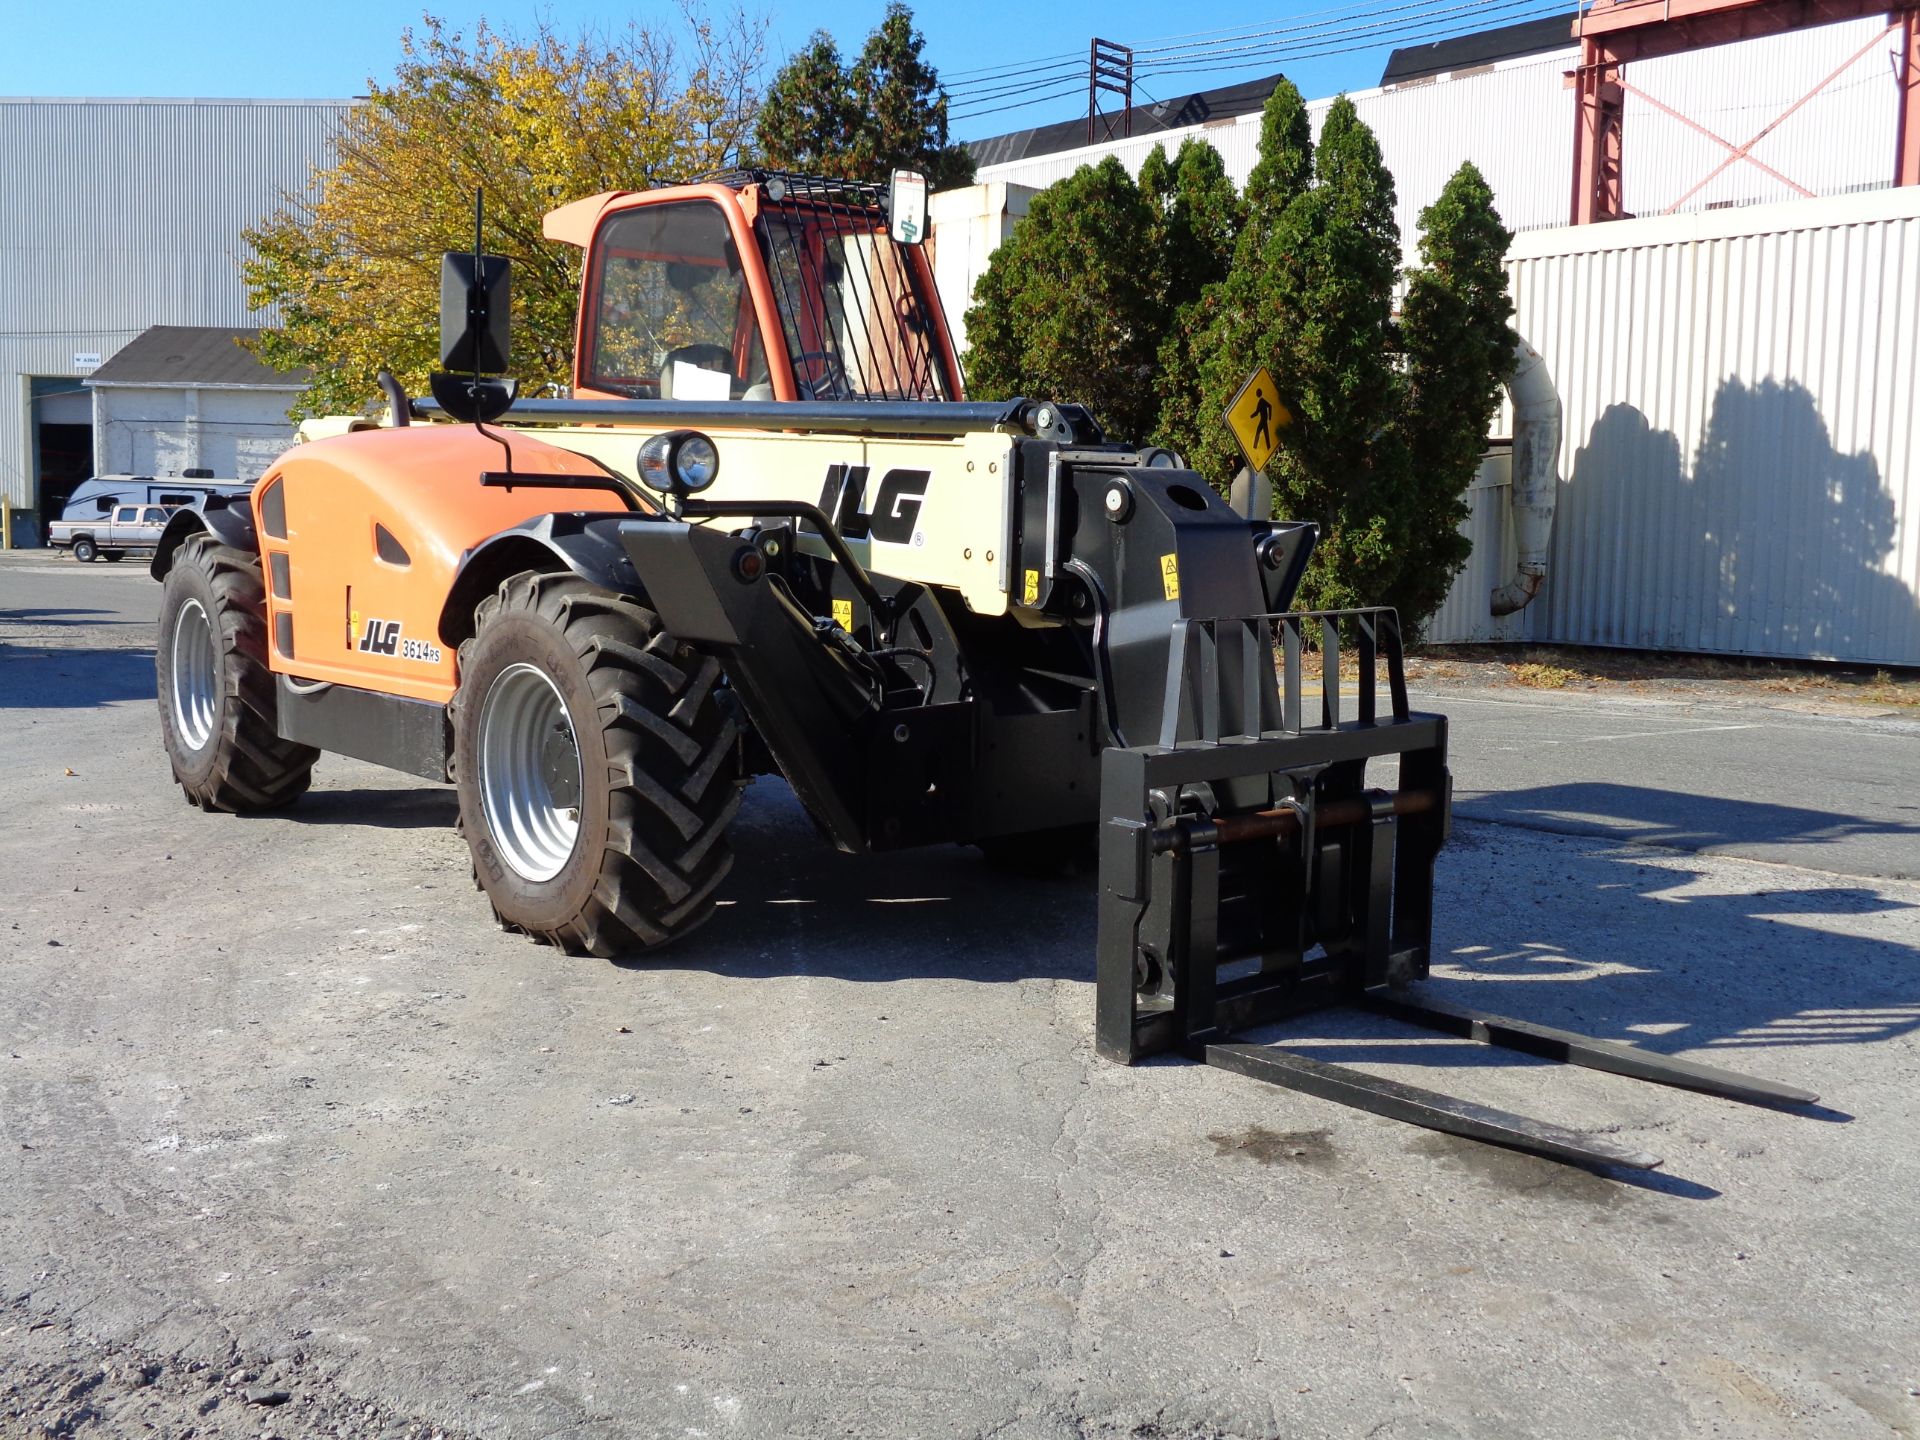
<point x="856" y="324"/>
<point x="672" y="318"/>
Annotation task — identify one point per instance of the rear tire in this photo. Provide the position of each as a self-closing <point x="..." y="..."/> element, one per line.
<point x="217" y="702"/>
<point x="85" y="551"/>
<point x="596" y="768"/>
<point x="113" y="555"/>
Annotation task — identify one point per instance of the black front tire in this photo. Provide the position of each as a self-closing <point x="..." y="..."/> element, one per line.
<point x="217" y="704"/>
<point x="85" y="551"/>
<point x="658" y="765"/>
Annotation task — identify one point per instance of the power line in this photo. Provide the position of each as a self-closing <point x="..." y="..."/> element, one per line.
<point x="1364" y="37"/>
<point x="1313" y="50"/>
<point x="1433" y="24"/>
<point x="1229" y="40"/>
<point x="1073" y="89"/>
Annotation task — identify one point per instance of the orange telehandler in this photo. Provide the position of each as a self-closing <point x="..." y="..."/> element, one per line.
<point x="769" y="534"/>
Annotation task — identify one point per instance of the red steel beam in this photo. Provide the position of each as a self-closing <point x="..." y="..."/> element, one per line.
<point x="1644" y="29"/>
<point x="1611" y="35"/>
<point x="1906" y="151"/>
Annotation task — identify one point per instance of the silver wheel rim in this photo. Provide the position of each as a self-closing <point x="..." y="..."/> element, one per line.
<point x="529" y="772"/>
<point x="196" y="675"/>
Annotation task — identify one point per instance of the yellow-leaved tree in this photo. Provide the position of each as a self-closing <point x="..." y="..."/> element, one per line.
<point x="537" y="120"/>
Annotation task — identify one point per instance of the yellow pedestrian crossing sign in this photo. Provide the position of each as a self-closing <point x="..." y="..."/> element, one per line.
<point x="1256" y="417"/>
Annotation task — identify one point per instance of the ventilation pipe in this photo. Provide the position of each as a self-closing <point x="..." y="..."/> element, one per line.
<point x="1536" y="476"/>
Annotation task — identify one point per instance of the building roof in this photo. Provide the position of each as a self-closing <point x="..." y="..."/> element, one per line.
<point x="188" y="355"/>
<point x="1485" y="47"/>
<point x="1174" y="114"/>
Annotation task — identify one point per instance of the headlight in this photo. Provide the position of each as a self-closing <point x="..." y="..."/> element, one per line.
<point x="684" y="461"/>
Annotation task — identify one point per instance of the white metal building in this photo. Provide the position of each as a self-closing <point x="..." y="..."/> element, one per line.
<point x="120" y="215"/>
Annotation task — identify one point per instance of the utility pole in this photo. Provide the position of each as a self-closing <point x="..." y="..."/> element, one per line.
<point x="1109" y="72"/>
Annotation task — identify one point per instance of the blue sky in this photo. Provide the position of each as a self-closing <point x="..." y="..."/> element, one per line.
<point x="264" y="48"/>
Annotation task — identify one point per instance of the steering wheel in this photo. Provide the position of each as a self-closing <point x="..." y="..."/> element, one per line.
<point x="829" y="381"/>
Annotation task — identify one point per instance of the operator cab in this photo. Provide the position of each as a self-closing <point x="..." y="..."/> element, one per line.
<point x="754" y="286"/>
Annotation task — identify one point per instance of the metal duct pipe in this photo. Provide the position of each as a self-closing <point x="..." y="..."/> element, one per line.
<point x="1536" y="475"/>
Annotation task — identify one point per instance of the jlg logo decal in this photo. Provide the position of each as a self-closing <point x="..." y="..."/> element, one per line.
<point x="895" y="511"/>
<point x="382" y="637"/>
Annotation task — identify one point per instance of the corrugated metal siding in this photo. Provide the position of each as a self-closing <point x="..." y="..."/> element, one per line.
<point x="1465" y="616"/>
<point x="1738" y="456"/>
<point x="123" y="214"/>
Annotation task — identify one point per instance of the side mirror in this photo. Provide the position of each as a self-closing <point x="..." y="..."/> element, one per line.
<point x="475" y="337"/>
<point x="475" y="313"/>
<point x="907" y="207"/>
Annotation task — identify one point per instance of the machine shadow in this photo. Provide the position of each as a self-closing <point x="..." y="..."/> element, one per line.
<point x="1683" y="821"/>
<point x="421" y="806"/>
<point x="795" y="905"/>
<point x="1665" y="960"/>
<point x="33" y="677"/>
<point x="63" y="615"/>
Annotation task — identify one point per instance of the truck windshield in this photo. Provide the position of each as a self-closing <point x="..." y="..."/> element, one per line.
<point x="856" y="323"/>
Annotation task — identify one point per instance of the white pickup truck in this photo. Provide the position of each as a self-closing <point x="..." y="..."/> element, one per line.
<point x="123" y="530"/>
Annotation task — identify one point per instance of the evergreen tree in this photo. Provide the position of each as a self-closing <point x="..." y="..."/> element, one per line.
<point x="885" y="112"/>
<point x="1070" y="306"/>
<point x="808" y="118"/>
<point x="903" y="110"/>
<point x="1152" y="304"/>
<point x="1285" y="167"/>
<point x="1459" y="349"/>
<point x="1198" y="216"/>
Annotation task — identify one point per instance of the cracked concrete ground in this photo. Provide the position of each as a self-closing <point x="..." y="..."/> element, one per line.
<point x="276" y="1098"/>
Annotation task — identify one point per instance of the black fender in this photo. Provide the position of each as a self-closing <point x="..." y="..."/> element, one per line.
<point x="586" y="544"/>
<point x="228" y="518"/>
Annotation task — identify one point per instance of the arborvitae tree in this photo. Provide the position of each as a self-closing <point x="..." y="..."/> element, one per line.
<point x="887" y="112"/>
<point x="1345" y="464"/>
<point x="1285" y="166"/>
<point x="1459" y="349"/>
<point x="1070" y="305"/>
<point x="1198" y="216"/>
<point x="1389" y="420"/>
<point x="1207" y="354"/>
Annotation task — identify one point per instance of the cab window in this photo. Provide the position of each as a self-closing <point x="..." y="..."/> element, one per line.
<point x="670" y="311"/>
<point x="154" y="515"/>
<point x="126" y="515"/>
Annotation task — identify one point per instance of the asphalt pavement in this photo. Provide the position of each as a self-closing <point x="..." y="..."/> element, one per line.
<point x="294" y="1141"/>
<point x="1825" y="789"/>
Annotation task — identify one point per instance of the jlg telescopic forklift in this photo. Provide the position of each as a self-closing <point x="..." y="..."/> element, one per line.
<point x="768" y="533"/>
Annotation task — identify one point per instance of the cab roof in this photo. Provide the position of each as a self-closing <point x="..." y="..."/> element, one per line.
<point x="574" y="223"/>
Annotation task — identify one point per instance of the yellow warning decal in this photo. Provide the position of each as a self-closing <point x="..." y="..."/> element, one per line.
<point x="1030" y="589"/>
<point x="843" y="615"/>
<point x="1170" y="575"/>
